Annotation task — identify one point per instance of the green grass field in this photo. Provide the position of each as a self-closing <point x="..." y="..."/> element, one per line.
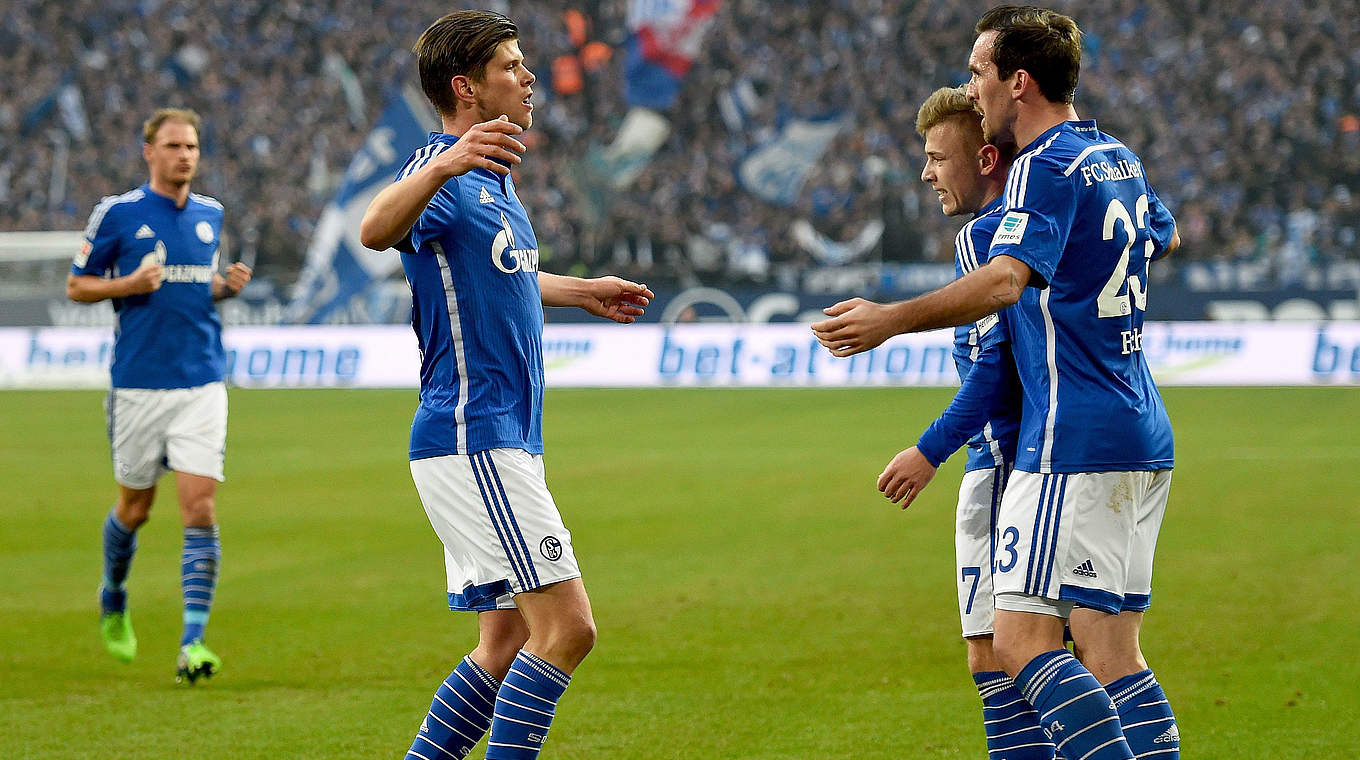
<point x="756" y="597"/>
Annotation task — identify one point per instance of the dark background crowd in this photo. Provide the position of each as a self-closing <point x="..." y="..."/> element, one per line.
<point x="1247" y="116"/>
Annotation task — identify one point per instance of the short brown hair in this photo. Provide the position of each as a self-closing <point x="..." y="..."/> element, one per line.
<point x="1043" y="42"/>
<point x="153" y="125"/>
<point x="944" y="104"/>
<point x="459" y="44"/>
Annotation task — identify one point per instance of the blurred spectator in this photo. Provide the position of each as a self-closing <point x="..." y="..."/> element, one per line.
<point x="1247" y="114"/>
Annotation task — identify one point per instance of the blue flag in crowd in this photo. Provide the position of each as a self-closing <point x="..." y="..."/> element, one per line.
<point x="338" y="270"/>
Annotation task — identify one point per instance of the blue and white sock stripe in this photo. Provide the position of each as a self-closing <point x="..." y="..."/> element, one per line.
<point x="493" y="511"/>
<point x="1134" y="689"/>
<point x="1074" y="735"/>
<point x="514" y="524"/>
<point x="546" y="669"/>
<point x="993" y="687"/>
<point x="458" y="693"/>
<point x="1039" y="681"/>
<point x="490" y="681"/>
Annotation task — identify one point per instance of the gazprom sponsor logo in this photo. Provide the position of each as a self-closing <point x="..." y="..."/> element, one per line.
<point x="506" y="257"/>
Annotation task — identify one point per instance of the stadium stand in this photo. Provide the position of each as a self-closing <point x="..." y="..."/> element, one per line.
<point x="1247" y="113"/>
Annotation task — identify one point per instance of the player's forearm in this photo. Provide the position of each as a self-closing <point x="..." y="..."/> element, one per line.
<point x="88" y="288"/>
<point x="561" y="290"/>
<point x="396" y="208"/>
<point x="986" y="290"/>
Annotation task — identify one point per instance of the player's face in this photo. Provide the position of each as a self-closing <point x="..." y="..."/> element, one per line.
<point x="990" y="94"/>
<point x="173" y="155"/>
<point x="952" y="167"/>
<point x="506" y="87"/>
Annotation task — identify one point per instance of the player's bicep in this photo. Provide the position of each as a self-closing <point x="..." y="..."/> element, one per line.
<point x="99" y="246"/>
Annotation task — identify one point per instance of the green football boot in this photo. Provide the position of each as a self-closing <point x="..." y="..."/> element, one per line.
<point x="195" y="661"/>
<point x="116" y="630"/>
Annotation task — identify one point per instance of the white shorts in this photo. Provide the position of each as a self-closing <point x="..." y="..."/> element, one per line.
<point x="152" y="431"/>
<point x="974" y="544"/>
<point x="501" y="530"/>
<point x="1085" y="538"/>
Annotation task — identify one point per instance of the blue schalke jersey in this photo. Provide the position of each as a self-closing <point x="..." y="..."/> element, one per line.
<point x="170" y="337"/>
<point x="472" y="262"/>
<point x="986" y="410"/>
<point x="1082" y="216"/>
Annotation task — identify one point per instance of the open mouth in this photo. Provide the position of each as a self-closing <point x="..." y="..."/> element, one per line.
<point x="527" y="102"/>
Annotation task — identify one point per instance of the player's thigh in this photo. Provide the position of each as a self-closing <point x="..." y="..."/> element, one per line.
<point x="1149" y="509"/>
<point x="1066" y="537"/>
<point x="196" y="437"/>
<point x="974" y="531"/>
<point x="138" y="421"/>
<point x="500" y="527"/>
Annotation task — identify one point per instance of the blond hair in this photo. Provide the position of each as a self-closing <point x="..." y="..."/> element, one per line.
<point x="153" y="125"/>
<point x="943" y="104"/>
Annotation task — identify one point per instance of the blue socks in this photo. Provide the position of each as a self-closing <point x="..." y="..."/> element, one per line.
<point x="198" y="578"/>
<point x="1149" y="725"/>
<point x="120" y="543"/>
<point x="524" y="708"/>
<point x="1011" y="723"/>
<point x="1075" y="712"/>
<point x="459" y="715"/>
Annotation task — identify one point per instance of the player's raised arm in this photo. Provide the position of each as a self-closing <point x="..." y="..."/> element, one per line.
<point x="607" y="297"/>
<point x="392" y="213"/>
<point x="858" y="325"/>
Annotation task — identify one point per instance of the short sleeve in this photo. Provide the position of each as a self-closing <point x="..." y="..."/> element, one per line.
<point x="1040" y="206"/>
<point x="99" y="248"/>
<point x="1161" y="225"/>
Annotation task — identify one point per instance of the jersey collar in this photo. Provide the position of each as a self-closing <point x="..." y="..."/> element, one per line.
<point x="992" y="206"/>
<point x="1087" y="126"/>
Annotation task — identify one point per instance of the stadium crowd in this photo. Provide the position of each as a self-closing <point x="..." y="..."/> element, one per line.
<point x="1247" y="114"/>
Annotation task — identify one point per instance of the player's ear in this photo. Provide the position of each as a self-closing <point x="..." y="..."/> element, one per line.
<point x="1019" y="82"/>
<point x="462" y="89"/>
<point x="146" y="151"/>
<point x="988" y="156"/>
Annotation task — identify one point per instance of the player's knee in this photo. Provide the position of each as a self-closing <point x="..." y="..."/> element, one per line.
<point x="200" y="511"/>
<point x="134" y="511"/>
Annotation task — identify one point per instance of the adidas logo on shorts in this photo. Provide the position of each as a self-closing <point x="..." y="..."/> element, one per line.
<point x="1085" y="569"/>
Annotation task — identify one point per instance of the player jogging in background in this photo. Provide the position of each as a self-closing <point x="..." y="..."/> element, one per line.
<point x="1079" y="520"/>
<point x="154" y="252"/>
<point x="969" y="175"/>
<point x="471" y="259"/>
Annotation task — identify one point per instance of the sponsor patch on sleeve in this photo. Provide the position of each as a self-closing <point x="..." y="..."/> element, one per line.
<point x="1012" y="228"/>
<point x="83" y="257"/>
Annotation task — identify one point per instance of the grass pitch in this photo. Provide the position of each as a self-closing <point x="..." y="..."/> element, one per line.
<point x="756" y="597"/>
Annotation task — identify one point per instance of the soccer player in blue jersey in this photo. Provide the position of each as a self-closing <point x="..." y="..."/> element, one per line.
<point x="969" y="175"/>
<point x="154" y="252"/>
<point x="471" y="259"/>
<point x="1080" y="516"/>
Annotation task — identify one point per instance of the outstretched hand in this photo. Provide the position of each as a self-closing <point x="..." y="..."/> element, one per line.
<point x="856" y="325"/>
<point x="906" y="476"/>
<point x="616" y="299"/>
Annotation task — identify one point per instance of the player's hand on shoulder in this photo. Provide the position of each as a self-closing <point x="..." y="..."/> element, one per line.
<point x="237" y="276"/>
<point x="906" y="476"/>
<point x="856" y="325"/>
<point x="146" y="278"/>
<point x="480" y="146"/>
<point x="618" y="299"/>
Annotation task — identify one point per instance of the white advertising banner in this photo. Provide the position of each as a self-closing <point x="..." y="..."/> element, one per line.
<point x="583" y="355"/>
